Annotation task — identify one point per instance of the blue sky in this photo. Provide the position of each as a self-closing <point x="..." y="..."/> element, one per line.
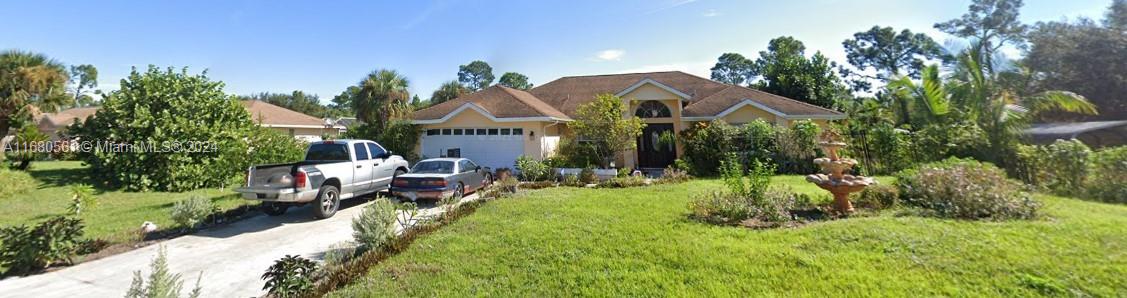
<point x="323" y="47"/>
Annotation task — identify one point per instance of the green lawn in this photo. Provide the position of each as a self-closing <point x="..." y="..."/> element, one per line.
<point x="638" y="242"/>
<point x="117" y="214"/>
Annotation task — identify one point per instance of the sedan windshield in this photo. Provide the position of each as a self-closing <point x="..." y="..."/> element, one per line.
<point x="434" y="167"/>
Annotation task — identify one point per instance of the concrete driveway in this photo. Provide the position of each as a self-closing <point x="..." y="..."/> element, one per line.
<point x="232" y="258"/>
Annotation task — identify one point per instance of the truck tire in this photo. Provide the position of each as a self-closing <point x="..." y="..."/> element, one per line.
<point x="274" y="209"/>
<point x="328" y="200"/>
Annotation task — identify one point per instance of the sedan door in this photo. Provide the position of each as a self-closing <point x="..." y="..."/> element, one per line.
<point x="362" y="177"/>
<point x="470" y="175"/>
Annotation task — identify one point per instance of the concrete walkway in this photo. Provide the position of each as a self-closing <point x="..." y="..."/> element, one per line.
<point x="232" y="258"/>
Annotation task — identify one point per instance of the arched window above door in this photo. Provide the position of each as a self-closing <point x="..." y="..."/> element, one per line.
<point x="652" y="109"/>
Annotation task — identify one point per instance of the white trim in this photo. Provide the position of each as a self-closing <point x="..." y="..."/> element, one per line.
<point x="302" y="126"/>
<point x="487" y="114"/>
<point x="639" y="84"/>
<point x="749" y="102"/>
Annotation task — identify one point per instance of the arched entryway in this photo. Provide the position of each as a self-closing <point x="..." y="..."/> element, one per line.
<point x="655" y="147"/>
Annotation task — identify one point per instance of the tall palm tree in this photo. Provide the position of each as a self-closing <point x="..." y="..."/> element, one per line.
<point x="29" y="80"/>
<point x="382" y="96"/>
<point x="976" y="92"/>
<point x="449" y="90"/>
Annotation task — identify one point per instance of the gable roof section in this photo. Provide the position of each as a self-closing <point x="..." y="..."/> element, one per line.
<point x="495" y="102"/>
<point x="558" y="100"/>
<point x="568" y="93"/>
<point x="734" y="97"/>
<point x="269" y="115"/>
<point x="54" y="121"/>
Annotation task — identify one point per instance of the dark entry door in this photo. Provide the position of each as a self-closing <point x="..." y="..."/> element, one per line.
<point x="652" y="152"/>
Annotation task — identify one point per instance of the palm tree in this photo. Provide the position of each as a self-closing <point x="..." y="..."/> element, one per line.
<point x="382" y="95"/>
<point x="449" y="90"/>
<point x="29" y="80"/>
<point x="975" y="92"/>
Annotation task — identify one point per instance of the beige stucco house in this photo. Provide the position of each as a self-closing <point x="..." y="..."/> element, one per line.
<point x="298" y="125"/>
<point x="496" y="125"/>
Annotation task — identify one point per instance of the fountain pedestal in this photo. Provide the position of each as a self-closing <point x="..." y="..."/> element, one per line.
<point x="833" y="178"/>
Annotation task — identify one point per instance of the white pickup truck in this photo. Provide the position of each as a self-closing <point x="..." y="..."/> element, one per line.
<point x="332" y="171"/>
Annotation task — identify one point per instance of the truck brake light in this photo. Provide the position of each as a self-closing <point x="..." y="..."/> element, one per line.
<point x="299" y="179"/>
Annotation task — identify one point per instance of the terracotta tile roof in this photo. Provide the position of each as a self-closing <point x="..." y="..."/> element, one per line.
<point x="502" y="102"/>
<point x="732" y="95"/>
<point x="267" y="114"/>
<point x="561" y="97"/>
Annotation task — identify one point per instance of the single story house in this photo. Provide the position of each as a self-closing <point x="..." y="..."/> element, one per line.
<point x="496" y="125"/>
<point x="298" y="125"/>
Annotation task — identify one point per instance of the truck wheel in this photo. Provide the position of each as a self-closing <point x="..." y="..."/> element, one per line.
<point x="328" y="200"/>
<point x="274" y="209"/>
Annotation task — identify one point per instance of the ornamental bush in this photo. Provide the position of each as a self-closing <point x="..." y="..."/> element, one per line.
<point x="532" y="169"/>
<point x="190" y="213"/>
<point x="26" y="249"/>
<point x="1108" y="175"/>
<point x="965" y="189"/>
<point x="270" y="146"/>
<point x="375" y="227"/>
<point x="290" y="276"/>
<point x="167" y="130"/>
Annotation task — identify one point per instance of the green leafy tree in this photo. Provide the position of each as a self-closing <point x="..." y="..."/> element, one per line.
<point x="787" y="72"/>
<point x="601" y="123"/>
<point x="889" y="54"/>
<point x="380" y="97"/>
<point x="449" y="90"/>
<point x="515" y="81"/>
<point x="733" y="68"/>
<point x="990" y="24"/>
<point x="476" y="76"/>
<point x="83" y="77"/>
<point x="1084" y="57"/>
<point x="29" y="80"/>
<point x="155" y="110"/>
<point x="342" y="103"/>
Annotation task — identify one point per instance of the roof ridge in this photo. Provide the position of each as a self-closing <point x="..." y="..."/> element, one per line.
<point x="511" y="91"/>
<point x="786" y="98"/>
<point x="619" y="74"/>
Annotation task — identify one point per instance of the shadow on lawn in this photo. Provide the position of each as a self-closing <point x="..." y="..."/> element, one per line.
<point x="66" y="177"/>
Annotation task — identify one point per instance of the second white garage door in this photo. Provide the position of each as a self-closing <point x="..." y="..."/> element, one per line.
<point x="488" y="147"/>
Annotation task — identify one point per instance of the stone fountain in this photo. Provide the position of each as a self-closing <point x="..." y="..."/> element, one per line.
<point x="833" y="178"/>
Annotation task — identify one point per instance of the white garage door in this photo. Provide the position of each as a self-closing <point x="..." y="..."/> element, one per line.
<point x="488" y="147"/>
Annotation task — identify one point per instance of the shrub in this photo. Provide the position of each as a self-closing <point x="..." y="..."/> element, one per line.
<point x="587" y="176"/>
<point x="674" y="175"/>
<point x="797" y="147"/>
<point x="82" y="198"/>
<point x="572" y="180"/>
<point x="160" y="109"/>
<point x="15" y="182"/>
<point x="1108" y="179"/>
<point x="965" y="189"/>
<point x="706" y="144"/>
<point x="877" y="196"/>
<point x="758" y="140"/>
<point x="1065" y="166"/>
<point x="269" y="146"/>
<point x="375" y="227"/>
<point x="538" y="184"/>
<point x="575" y="154"/>
<point x="25" y="249"/>
<point x="25" y="146"/>
<point x="162" y="282"/>
<point x="622" y="182"/>
<point x="290" y="276"/>
<point x="191" y="212"/>
<point x="502" y="188"/>
<point x="398" y="136"/>
<point x="747" y="196"/>
<point x="340" y="253"/>
<point x="752" y="185"/>
<point x="532" y="170"/>
<point x="623" y="172"/>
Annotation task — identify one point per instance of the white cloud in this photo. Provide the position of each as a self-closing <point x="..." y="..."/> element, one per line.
<point x="610" y="55"/>
<point x="710" y="13"/>
<point x="669" y="5"/>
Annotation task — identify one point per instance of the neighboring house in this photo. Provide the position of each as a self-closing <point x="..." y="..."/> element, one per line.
<point x="1096" y="134"/>
<point x="298" y="125"/>
<point x="496" y="125"/>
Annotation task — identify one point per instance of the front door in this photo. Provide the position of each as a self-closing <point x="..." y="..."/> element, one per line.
<point x="652" y="151"/>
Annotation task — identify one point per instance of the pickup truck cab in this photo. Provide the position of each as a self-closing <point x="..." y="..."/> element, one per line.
<point x="332" y="171"/>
